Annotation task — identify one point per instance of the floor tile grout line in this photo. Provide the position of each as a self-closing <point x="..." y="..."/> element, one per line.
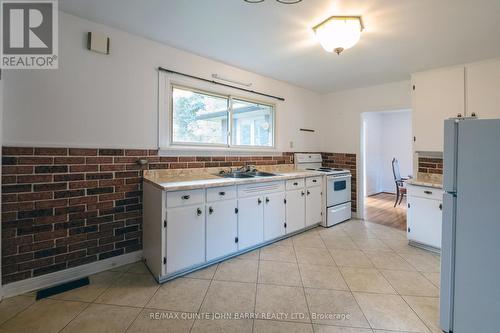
<point x="355" y="300"/>
<point x="79" y="313"/>
<point x="19" y="312"/>
<point x="205" y="296"/>
<point x="108" y="286"/>
<point x="143" y="307"/>
<point x="398" y="294"/>
<point x="304" y="290"/>
<point x="256" y="291"/>
<point x="415" y="312"/>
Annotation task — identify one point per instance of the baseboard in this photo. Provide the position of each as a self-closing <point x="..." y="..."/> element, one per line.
<point x="386" y="191"/>
<point x="382" y="192"/>
<point x="48" y="280"/>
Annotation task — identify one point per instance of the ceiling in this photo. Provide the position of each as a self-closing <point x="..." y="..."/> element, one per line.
<point x="276" y="40"/>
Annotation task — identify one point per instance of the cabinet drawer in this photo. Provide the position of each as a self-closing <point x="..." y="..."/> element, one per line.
<point x="257" y="189"/>
<point x="294" y="184"/>
<point x="313" y="181"/>
<point x="221" y="193"/>
<point x="425" y="192"/>
<point x="185" y="198"/>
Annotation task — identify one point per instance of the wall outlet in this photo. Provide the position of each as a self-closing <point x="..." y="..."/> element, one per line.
<point x="291" y="144"/>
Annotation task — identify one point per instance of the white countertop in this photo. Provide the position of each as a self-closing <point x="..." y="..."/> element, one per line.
<point x="424" y="183"/>
<point x="170" y="182"/>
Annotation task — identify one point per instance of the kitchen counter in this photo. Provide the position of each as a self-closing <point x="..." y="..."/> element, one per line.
<point x="426" y="180"/>
<point x="187" y="179"/>
<point x="417" y="182"/>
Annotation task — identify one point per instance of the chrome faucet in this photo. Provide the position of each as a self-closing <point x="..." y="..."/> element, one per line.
<point x="247" y="168"/>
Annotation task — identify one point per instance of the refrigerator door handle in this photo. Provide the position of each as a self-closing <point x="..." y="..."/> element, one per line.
<point x="450" y="155"/>
<point x="448" y="261"/>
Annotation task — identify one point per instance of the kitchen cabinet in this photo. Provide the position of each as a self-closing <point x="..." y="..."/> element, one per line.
<point x="250" y="222"/>
<point x="314" y="204"/>
<point x="222" y="228"/>
<point x="295" y="210"/>
<point x="424" y="216"/>
<point x="437" y="95"/>
<point x="185" y="239"/>
<point x="274" y="215"/>
<point x="483" y="80"/>
<point x="188" y="229"/>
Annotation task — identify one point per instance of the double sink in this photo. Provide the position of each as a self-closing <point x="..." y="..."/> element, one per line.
<point x="246" y="174"/>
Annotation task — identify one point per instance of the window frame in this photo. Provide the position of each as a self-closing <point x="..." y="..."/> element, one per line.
<point x="166" y="113"/>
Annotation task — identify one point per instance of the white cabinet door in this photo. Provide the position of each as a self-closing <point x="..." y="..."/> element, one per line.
<point x="295" y="210"/>
<point x="185" y="237"/>
<point x="274" y="215"/>
<point x="438" y="95"/>
<point x="425" y="221"/>
<point x="250" y="222"/>
<point x="222" y="228"/>
<point x="313" y="205"/>
<point x="483" y="80"/>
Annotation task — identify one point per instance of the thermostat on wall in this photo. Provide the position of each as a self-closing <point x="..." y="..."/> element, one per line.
<point x="98" y="42"/>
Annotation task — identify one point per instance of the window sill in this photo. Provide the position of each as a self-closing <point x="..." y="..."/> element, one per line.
<point x="214" y="151"/>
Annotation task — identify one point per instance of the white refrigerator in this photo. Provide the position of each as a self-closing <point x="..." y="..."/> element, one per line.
<point x="470" y="257"/>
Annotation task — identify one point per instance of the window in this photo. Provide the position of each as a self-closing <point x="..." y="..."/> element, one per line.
<point x="199" y="118"/>
<point x="202" y="118"/>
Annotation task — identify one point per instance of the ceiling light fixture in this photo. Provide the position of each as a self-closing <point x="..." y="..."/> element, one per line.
<point x="338" y="33"/>
<point x="286" y="2"/>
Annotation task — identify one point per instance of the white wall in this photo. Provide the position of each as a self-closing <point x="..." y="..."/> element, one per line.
<point x="396" y="142"/>
<point x="95" y="100"/>
<point x="342" y="118"/>
<point x="343" y="109"/>
<point x="372" y="161"/>
<point x="387" y="135"/>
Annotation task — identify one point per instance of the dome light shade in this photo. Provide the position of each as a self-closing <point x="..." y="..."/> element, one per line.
<point x="339" y="33"/>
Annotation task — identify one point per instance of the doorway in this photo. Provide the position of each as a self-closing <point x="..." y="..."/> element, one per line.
<point x="385" y="135"/>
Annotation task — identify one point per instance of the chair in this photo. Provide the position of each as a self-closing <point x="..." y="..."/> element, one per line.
<point x="400" y="189"/>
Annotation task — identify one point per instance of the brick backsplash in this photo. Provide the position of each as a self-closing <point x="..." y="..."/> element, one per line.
<point x="344" y="161"/>
<point x="430" y="165"/>
<point x="65" y="207"/>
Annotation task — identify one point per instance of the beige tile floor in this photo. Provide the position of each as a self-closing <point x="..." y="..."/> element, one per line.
<point x="356" y="277"/>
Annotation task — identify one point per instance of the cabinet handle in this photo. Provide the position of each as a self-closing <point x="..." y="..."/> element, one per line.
<point x="308" y="192"/>
<point x="259" y="201"/>
<point x="210" y="210"/>
<point x="315" y="180"/>
<point x="302" y="193"/>
<point x="440" y="206"/>
<point x="198" y="211"/>
<point x="295" y="184"/>
<point x="267" y="199"/>
<point x="428" y="192"/>
<point x="222" y="193"/>
<point x="186" y="197"/>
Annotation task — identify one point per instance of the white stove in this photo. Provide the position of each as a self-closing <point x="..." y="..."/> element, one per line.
<point x="337" y="186"/>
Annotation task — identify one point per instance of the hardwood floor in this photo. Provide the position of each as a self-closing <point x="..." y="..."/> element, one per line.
<point x="379" y="208"/>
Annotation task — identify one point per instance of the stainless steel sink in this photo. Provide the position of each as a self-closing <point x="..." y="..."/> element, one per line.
<point x="250" y="174"/>
<point x="262" y="174"/>
<point x="236" y="175"/>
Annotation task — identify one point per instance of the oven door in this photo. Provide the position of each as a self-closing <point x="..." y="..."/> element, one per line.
<point x="338" y="190"/>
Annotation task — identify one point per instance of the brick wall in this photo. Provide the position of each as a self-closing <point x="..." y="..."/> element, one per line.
<point x="64" y="207"/>
<point x="430" y="165"/>
<point x="344" y="161"/>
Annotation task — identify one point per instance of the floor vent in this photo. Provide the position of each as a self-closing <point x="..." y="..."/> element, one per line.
<point x="47" y="292"/>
